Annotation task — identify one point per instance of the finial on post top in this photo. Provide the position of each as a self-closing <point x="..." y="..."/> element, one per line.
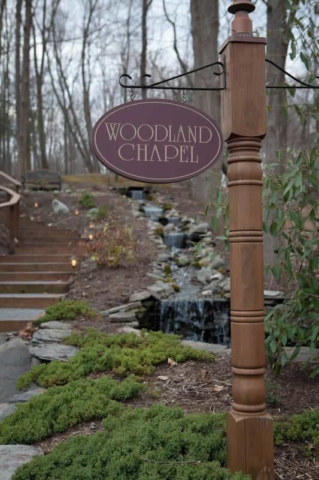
<point x="241" y="24"/>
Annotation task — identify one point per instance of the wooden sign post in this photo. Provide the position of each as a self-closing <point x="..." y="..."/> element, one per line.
<point x="249" y="426"/>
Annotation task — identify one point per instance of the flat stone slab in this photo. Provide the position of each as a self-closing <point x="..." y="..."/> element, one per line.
<point x="15" y="359"/>
<point x="303" y="355"/>
<point x="48" y="336"/>
<point x="5" y="410"/>
<point x="54" y="351"/>
<point x="140" y="296"/>
<point x="27" y="314"/>
<point x="128" y="329"/>
<point x="123" y="316"/>
<point x="55" y="325"/>
<point x="206" y="347"/>
<point x="13" y="456"/>
<point x="25" y="396"/>
<point x="121" y="308"/>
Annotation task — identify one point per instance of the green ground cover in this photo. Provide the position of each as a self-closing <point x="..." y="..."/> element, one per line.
<point x="122" y="354"/>
<point x="67" y="310"/>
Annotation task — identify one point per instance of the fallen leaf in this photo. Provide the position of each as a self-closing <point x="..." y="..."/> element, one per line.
<point x="171" y="362"/>
<point x="218" y="388"/>
<point x="203" y="373"/>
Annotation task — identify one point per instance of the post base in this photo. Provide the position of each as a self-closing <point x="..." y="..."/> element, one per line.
<point x="250" y="445"/>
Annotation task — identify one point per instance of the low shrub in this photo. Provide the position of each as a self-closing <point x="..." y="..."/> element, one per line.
<point x="62" y="407"/>
<point x="67" y="310"/>
<point x="101" y="212"/>
<point x="122" y="354"/>
<point x="299" y="428"/>
<point x="141" y="444"/>
<point x="112" y="245"/>
<point x="87" y="200"/>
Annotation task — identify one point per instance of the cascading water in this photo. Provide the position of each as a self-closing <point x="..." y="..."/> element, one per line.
<point x="136" y="194"/>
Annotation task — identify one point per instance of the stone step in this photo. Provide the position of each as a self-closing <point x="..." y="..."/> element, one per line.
<point x="47" y="238"/>
<point x="34" y="276"/>
<point x="38" y="267"/>
<point x="34" y="287"/>
<point x="13" y="319"/>
<point x="31" y="300"/>
<point x="38" y="258"/>
<point x="40" y="249"/>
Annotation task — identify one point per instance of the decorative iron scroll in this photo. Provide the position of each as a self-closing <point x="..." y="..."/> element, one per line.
<point x="159" y="85"/>
<point x="301" y="83"/>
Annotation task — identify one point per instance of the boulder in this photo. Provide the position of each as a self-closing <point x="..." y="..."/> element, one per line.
<point x="140" y="296"/>
<point x="168" y="228"/>
<point x="200" y="228"/>
<point x="128" y="329"/>
<point x="54" y="351"/>
<point x="225" y="285"/>
<point x="161" y="290"/>
<point x="92" y="212"/>
<point x="25" y="396"/>
<point x="47" y="335"/>
<point x="13" y="456"/>
<point x="204" y="275"/>
<point x="205" y="262"/>
<point x="163" y="257"/>
<point x="218" y="262"/>
<point x="183" y="261"/>
<point x="55" y="325"/>
<point x="6" y="409"/>
<point x="206" y="347"/>
<point x="59" y="207"/>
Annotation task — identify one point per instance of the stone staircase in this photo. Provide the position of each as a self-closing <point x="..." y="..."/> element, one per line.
<point x="37" y="275"/>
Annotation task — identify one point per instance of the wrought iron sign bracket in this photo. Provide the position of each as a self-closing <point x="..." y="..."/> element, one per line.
<point x="300" y="82"/>
<point x="161" y="85"/>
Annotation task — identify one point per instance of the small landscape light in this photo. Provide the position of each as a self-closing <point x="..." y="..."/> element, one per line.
<point x="90" y="236"/>
<point x="36" y="205"/>
<point x="91" y="225"/>
<point x="74" y="262"/>
<point x="76" y="212"/>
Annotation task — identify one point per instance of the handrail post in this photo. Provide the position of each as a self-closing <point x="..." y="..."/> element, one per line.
<point x="11" y="228"/>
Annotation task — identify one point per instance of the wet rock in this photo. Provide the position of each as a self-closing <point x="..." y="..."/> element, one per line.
<point x="225" y="285"/>
<point x="204" y="275"/>
<point x="168" y="228"/>
<point x="205" y="262"/>
<point x="273" y="294"/>
<point x="161" y="290"/>
<point x="13" y="456"/>
<point x="140" y="296"/>
<point x="121" y="308"/>
<point x="122" y="317"/>
<point x="46" y="336"/>
<point x="218" y="262"/>
<point x="25" y="396"/>
<point x="55" y="325"/>
<point x="163" y="257"/>
<point x="54" y="351"/>
<point x="201" y="228"/>
<point x="59" y="207"/>
<point x="6" y="409"/>
<point x="183" y="261"/>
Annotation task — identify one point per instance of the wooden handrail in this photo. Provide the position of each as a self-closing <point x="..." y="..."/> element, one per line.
<point x="12" y="180"/>
<point x="13" y="205"/>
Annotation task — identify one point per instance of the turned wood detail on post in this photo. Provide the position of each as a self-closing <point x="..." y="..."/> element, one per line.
<point x="247" y="306"/>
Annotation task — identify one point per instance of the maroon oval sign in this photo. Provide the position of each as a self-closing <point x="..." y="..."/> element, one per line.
<point x="157" y="141"/>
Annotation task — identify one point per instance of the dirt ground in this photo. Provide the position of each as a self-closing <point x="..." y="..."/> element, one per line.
<point x="195" y="386"/>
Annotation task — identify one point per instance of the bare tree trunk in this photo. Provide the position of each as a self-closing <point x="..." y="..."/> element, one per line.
<point x="17" y="73"/>
<point x="205" y="27"/>
<point x="24" y="136"/>
<point x="145" y="7"/>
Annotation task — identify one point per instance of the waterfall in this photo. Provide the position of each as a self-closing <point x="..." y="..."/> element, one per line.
<point x="196" y="319"/>
<point x="136" y="194"/>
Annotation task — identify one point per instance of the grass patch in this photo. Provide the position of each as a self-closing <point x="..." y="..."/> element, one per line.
<point x="123" y="354"/>
<point x="66" y="310"/>
<point x="142" y="444"/>
<point x="87" y="200"/>
<point x="59" y="408"/>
